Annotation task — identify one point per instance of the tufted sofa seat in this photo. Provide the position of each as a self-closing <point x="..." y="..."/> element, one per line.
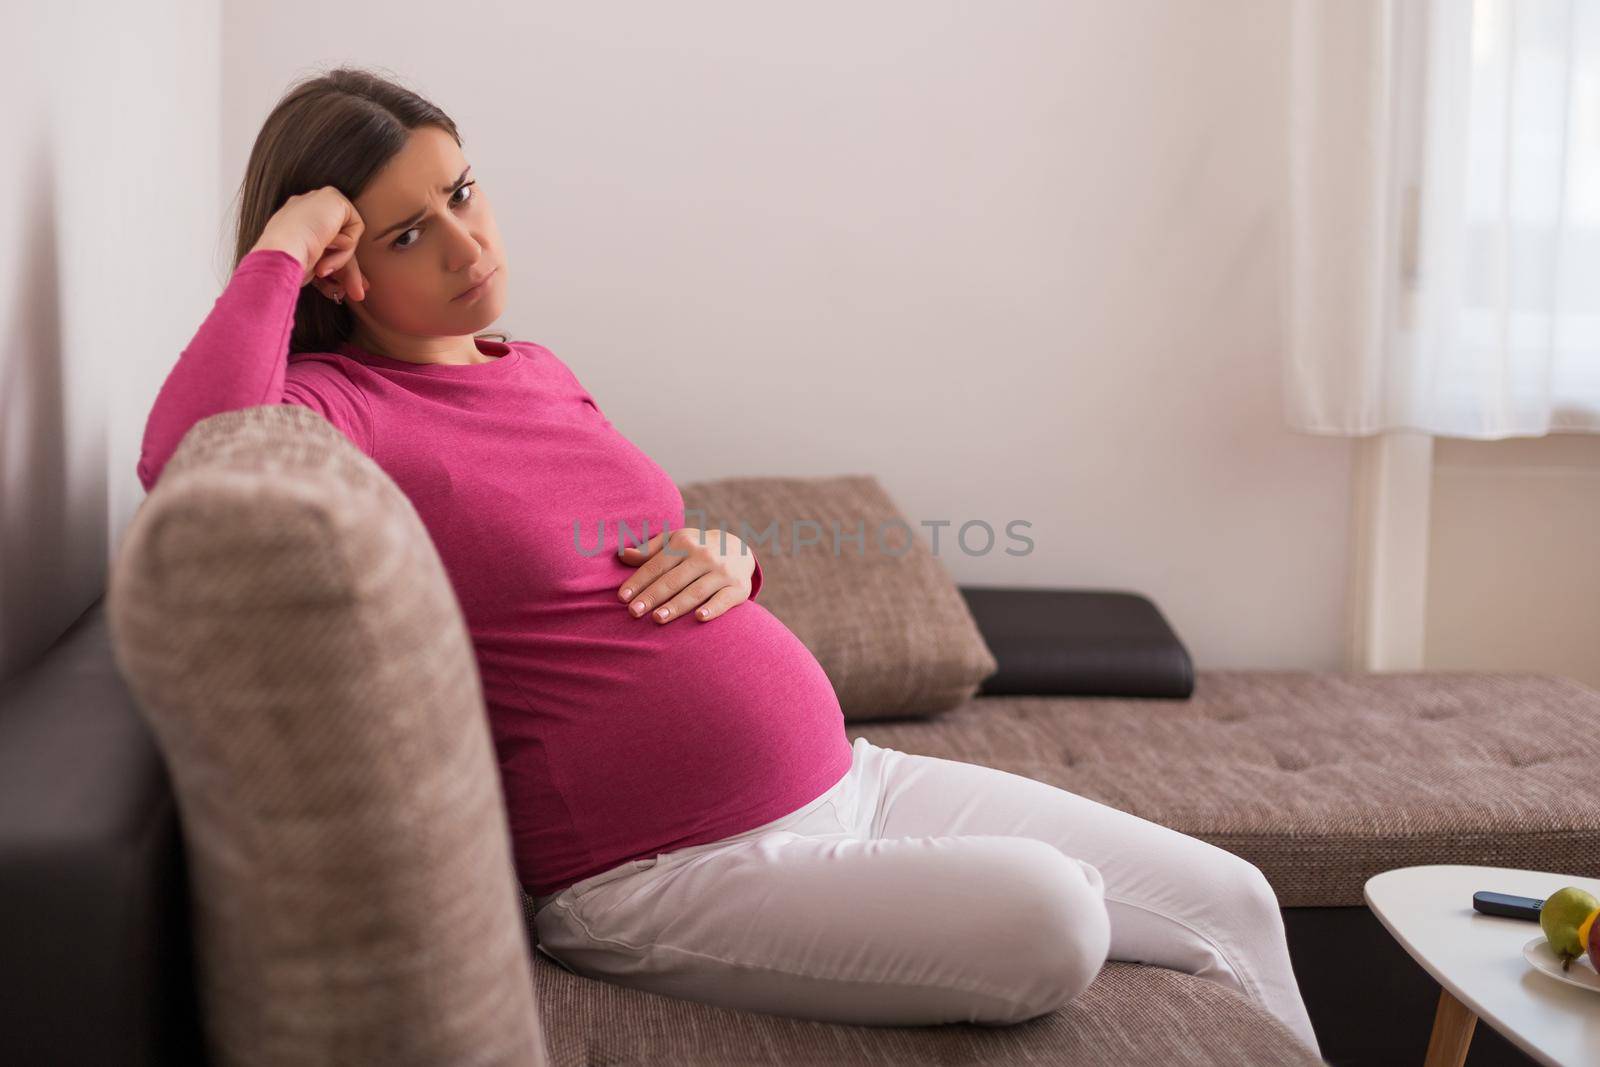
<point x="1321" y="779"/>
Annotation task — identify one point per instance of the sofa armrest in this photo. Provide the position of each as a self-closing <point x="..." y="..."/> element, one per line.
<point x="93" y="903"/>
<point x="1077" y="642"/>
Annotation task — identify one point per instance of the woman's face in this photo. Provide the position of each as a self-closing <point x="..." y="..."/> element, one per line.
<point x="428" y="235"/>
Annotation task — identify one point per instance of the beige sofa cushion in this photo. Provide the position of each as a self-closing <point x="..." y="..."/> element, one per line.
<point x="887" y="623"/>
<point x="287" y="628"/>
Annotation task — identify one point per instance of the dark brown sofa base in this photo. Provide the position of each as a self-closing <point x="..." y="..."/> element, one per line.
<point x="1351" y="969"/>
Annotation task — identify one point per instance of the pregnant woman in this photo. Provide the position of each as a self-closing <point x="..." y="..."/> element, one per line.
<point x="686" y="809"/>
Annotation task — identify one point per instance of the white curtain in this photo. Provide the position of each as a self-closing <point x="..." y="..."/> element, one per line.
<point x="1444" y="217"/>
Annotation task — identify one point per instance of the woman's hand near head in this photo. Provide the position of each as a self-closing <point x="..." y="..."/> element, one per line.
<point x="321" y="228"/>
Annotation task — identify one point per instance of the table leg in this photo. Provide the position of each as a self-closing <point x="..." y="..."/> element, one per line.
<point x="1452" y="1032"/>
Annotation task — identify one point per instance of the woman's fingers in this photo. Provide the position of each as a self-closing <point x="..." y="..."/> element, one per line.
<point x="339" y="262"/>
<point x="332" y="258"/>
<point x="699" y="592"/>
<point x="349" y="237"/>
<point x="357" y="286"/>
<point x="720" y="601"/>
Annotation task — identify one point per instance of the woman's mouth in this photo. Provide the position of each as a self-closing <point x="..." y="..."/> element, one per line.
<point x="477" y="290"/>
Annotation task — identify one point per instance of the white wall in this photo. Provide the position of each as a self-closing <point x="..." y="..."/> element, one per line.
<point x="1018" y="261"/>
<point x="1513" y="566"/>
<point x="110" y="169"/>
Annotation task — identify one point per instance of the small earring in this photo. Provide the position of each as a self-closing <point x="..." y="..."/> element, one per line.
<point x="338" y="298"/>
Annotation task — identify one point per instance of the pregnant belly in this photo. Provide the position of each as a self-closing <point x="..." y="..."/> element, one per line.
<point x="621" y="736"/>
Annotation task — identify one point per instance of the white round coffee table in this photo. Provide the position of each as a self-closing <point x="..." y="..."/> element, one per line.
<point x="1477" y="960"/>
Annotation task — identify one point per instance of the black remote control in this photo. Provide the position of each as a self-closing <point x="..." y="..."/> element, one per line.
<point x="1505" y="904"/>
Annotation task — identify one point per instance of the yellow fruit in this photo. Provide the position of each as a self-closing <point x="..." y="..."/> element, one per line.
<point x="1585" y="926"/>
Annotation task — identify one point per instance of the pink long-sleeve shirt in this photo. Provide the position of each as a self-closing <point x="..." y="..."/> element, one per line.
<point x="617" y="737"/>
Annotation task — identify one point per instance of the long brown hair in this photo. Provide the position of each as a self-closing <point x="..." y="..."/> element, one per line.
<point x="337" y="128"/>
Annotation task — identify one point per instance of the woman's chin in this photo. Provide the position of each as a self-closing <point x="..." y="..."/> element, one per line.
<point x="484" y="310"/>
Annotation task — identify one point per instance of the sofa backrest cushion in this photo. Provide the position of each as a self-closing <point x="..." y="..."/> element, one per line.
<point x="289" y="632"/>
<point x="881" y="614"/>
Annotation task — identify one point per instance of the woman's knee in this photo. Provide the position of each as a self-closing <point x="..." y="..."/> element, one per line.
<point x="1244" y="886"/>
<point x="1064" y="927"/>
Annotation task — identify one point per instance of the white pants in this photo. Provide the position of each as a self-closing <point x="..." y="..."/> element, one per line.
<point x="923" y="890"/>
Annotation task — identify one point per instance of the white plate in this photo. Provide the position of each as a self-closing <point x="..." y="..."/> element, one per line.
<point x="1582" y="973"/>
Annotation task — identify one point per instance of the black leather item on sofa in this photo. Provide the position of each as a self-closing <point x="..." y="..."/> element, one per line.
<point x="1071" y="642"/>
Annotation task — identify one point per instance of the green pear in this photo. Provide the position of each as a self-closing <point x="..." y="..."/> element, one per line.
<point x="1562" y="913"/>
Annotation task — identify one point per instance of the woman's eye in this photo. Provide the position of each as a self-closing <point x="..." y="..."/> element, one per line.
<point x="467" y="185"/>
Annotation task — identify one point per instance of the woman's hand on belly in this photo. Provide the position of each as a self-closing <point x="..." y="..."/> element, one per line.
<point x="688" y="576"/>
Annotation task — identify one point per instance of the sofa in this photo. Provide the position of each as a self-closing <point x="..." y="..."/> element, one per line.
<point x="174" y="890"/>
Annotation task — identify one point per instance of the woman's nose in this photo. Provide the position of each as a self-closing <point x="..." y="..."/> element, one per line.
<point x="465" y="248"/>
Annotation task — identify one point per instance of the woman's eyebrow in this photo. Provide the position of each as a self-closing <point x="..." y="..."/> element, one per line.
<point x="418" y="217"/>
